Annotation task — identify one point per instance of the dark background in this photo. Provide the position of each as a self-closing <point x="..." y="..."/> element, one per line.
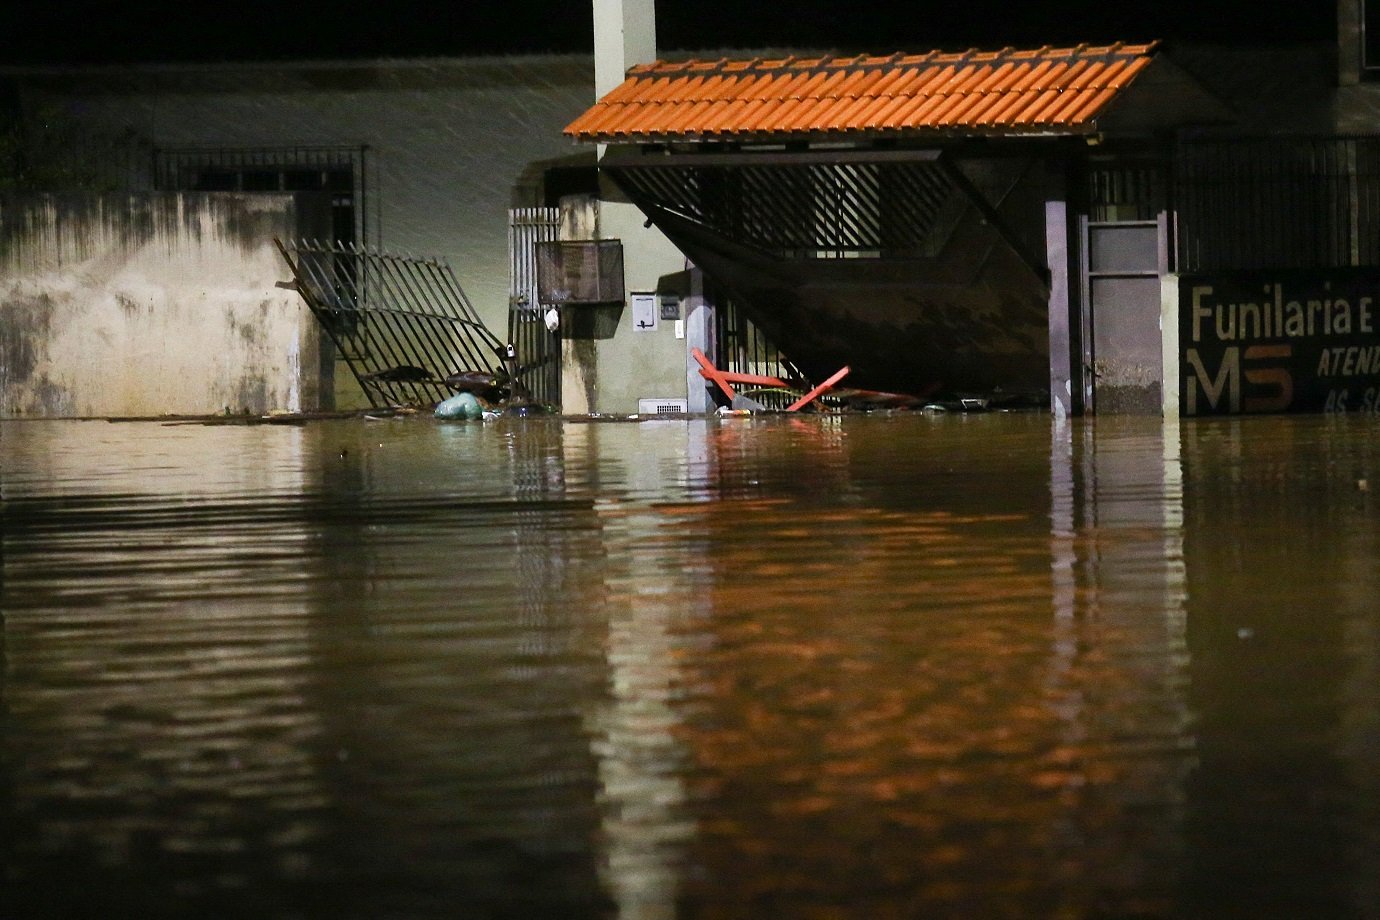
<point x="87" y="32"/>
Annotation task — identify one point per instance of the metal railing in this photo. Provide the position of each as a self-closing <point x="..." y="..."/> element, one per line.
<point x="811" y="210"/>
<point x="742" y="348"/>
<point x="1279" y="203"/>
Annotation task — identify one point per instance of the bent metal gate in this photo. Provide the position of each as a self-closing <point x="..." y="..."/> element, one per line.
<point x="1280" y="341"/>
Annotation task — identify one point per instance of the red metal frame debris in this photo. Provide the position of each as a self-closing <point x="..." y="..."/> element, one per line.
<point x="725" y="380"/>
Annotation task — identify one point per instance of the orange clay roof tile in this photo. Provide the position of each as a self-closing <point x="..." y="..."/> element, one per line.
<point x="1060" y="90"/>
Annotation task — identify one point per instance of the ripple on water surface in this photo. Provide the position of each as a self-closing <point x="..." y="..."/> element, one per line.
<point x="865" y="667"/>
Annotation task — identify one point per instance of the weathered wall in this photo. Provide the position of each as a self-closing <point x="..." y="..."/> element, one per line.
<point x="449" y="144"/>
<point x="1356" y="108"/>
<point x="133" y="305"/>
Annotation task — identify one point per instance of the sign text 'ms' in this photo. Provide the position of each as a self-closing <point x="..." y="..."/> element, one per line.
<point x="1296" y="341"/>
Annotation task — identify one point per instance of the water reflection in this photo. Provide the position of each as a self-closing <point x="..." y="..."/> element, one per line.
<point x="158" y="722"/>
<point x="237" y="698"/>
<point x="1118" y="671"/>
<point x="457" y="666"/>
<point x="890" y="717"/>
<point x="967" y="666"/>
<point x="649" y="597"/>
<point x="1282" y="631"/>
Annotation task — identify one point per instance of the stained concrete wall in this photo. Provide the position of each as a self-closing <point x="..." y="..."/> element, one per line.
<point x="1356" y="106"/>
<point x="449" y="145"/>
<point x="138" y="305"/>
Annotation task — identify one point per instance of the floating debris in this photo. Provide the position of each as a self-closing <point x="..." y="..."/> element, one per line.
<point x="481" y="383"/>
<point x="460" y="406"/>
<point x="960" y="404"/>
<point x="405" y="373"/>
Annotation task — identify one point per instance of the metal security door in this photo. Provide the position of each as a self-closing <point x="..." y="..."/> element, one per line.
<point x="538" y="346"/>
<point x="1122" y="264"/>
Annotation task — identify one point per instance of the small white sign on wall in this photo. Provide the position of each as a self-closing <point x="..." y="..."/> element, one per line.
<point x="644" y="311"/>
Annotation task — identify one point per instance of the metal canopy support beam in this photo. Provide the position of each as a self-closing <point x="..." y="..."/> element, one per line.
<point x="776" y="157"/>
<point x="996" y="221"/>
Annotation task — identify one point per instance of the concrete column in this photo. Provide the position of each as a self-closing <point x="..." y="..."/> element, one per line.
<point x="1063" y="401"/>
<point x="699" y="331"/>
<point x="1349" y="41"/>
<point x="579" y="352"/>
<point x="1169" y="344"/>
<point x="624" y="36"/>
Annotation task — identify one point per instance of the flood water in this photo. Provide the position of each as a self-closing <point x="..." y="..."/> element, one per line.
<point x="876" y="667"/>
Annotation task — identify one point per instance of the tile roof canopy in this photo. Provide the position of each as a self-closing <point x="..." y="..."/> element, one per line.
<point x="1007" y="92"/>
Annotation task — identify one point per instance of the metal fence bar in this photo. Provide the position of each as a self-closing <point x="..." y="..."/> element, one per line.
<point x="387" y="353"/>
<point x="468" y="349"/>
<point x="322" y="299"/>
<point x="402" y="346"/>
<point x="421" y="334"/>
<point x="418" y="279"/>
<point x="449" y="279"/>
<point x="742" y="348"/>
<point x="448" y="283"/>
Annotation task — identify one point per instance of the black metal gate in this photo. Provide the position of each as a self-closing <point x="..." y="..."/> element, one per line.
<point x="740" y="347"/>
<point x="1277" y="203"/>
<point x="402" y="324"/>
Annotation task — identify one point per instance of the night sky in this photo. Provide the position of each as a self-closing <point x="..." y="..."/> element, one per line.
<point x="85" y="31"/>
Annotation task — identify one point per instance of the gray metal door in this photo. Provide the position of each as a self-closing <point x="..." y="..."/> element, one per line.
<point x="1123" y="262"/>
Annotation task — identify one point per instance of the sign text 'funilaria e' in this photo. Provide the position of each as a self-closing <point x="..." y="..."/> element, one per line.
<point x="1280" y="342"/>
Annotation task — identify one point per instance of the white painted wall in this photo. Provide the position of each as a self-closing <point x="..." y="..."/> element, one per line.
<point x="124" y="305"/>
<point x="1169" y="345"/>
<point x="638" y="363"/>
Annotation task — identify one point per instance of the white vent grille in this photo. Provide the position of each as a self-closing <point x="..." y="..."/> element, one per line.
<point x="662" y="407"/>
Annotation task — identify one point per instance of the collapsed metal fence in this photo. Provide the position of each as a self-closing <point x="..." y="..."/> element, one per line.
<point x="403" y="324"/>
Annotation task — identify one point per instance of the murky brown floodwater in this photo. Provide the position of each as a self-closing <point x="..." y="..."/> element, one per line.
<point x="871" y="667"/>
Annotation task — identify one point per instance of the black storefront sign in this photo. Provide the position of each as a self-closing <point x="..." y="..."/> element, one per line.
<point x="1284" y="341"/>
